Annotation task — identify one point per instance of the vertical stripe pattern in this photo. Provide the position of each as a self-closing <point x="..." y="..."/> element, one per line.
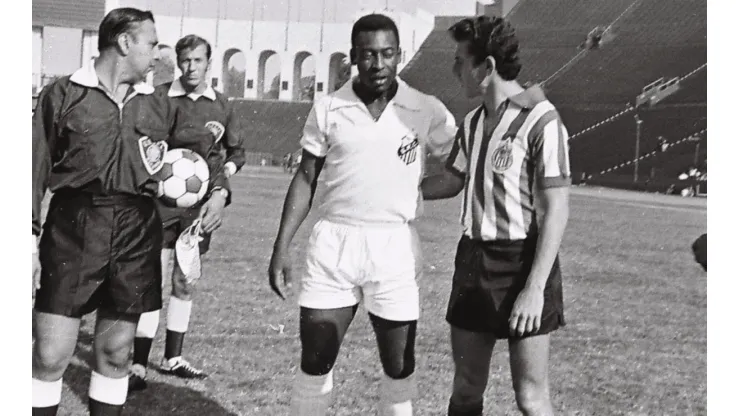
<point x="525" y="149"/>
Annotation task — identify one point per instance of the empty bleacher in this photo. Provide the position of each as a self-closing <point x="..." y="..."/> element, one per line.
<point x="646" y="40"/>
<point x="272" y="127"/>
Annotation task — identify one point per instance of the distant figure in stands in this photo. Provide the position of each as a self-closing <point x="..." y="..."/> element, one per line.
<point x="287" y="162"/>
<point x="662" y="144"/>
<point x="700" y="250"/>
<point x="594" y="38"/>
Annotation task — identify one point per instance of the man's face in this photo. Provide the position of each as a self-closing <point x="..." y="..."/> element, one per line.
<point x="376" y="55"/>
<point x="471" y="76"/>
<point x="143" y="50"/>
<point x="194" y="64"/>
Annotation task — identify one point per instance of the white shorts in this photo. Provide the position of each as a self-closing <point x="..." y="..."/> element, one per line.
<point x="348" y="263"/>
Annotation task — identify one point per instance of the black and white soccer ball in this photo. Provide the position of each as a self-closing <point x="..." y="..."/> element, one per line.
<point x="184" y="178"/>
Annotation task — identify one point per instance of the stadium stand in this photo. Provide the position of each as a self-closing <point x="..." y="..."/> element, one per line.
<point x="593" y="87"/>
<point x="566" y="13"/>
<point x="271" y="127"/>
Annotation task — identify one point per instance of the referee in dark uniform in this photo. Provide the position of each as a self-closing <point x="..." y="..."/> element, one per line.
<point x="207" y="125"/>
<point x="98" y="137"/>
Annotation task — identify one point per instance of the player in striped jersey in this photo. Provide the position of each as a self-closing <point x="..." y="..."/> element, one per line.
<point x="510" y="159"/>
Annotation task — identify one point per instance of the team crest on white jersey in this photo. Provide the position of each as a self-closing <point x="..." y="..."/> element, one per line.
<point x="152" y="154"/>
<point x="217" y="129"/>
<point x="408" y="149"/>
<point x="503" y="157"/>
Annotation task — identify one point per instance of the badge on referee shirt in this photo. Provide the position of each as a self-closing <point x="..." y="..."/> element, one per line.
<point x="408" y="149"/>
<point x="152" y="154"/>
<point x="217" y="129"/>
<point x="502" y="157"/>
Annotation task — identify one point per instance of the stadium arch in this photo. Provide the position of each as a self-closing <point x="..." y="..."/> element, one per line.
<point x="233" y="76"/>
<point x="165" y="67"/>
<point x="271" y="88"/>
<point x="303" y="87"/>
<point x="339" y="71"/>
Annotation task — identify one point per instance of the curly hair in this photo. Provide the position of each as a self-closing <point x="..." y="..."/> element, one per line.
<point x="490" y="36"/>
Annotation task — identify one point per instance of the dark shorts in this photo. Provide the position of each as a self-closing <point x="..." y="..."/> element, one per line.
<point x="175" y="221"/>
<point x="100" y="253"/>
<point x="488" y="278"/>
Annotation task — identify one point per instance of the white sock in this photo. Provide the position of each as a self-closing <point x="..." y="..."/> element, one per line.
<point x="148" y="323"/>
<point x="311" y="394"/>
<point x="178" y="314"/>
<point x="45" y="393"/>
<point x="108" y="390"/>
<point x="396" y="396"/>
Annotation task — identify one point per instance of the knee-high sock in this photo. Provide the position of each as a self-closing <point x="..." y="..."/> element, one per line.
<point x="45" y="397"/>
<point x="107" y="395"/>
<point x="396" y="396"/>
<point x="311" y="394"/>
<point x="178" y="319"/>
<point x="145" y="331"/>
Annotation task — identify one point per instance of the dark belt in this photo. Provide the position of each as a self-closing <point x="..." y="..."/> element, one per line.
<point x="99" y="200"/>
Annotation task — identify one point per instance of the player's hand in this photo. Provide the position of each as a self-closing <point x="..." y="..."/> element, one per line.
<point x="281" y="273"/>
<point x="36" y="270"/>
<point x="527" y="312"/>
<point x="229" y="169"/>
<point x="212" y="212"/>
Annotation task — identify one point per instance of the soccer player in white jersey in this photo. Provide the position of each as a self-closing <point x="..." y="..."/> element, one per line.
<point x="368" y="141"/>
<point x="511" y="159"/>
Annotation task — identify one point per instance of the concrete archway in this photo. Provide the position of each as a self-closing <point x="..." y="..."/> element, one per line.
<point x="233" y="75"/>
<point x="268" y="75"/>
<point x="304" y="76"/>
<point x="164" y="69"/>
<point x="339" y="71"/>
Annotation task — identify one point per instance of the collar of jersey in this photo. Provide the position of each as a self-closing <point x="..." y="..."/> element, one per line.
<point x="346" y="97"/>
<point x="529" y="98"/>
<point x="87" y="77"/>
<point x="177" y="90"/>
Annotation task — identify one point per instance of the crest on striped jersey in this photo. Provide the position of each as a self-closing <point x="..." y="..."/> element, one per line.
<point x="503" y="156"/>
<point x="408" y="149"/>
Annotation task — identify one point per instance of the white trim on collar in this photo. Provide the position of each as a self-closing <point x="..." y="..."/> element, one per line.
<point x="87" y="77"/>
<point x="177" y="90"/>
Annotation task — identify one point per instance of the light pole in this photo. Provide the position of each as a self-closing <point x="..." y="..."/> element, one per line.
<point x="638" y="124"/>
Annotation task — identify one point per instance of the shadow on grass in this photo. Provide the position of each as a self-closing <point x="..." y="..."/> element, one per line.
<point x="158" y="399"/>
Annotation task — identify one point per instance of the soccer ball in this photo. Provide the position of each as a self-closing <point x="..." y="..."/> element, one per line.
<point x="183" y="178"/>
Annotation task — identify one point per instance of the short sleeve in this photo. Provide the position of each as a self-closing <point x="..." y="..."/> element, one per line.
<point x="457" y="161"/>
<point x="442" y="129"/>
<point x="552" y="163"/>
<point x="313" y="139"/>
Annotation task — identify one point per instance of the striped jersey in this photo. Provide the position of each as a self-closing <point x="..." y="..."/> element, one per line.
<point x="527" y="150"/>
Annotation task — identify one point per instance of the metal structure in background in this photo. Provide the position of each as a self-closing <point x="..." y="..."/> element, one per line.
<point x="651" y="95"/>
<point x="638" y="127"/>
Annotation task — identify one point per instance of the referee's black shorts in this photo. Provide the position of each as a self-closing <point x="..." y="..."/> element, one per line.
<point x="100" y="252"/>
<point x="489" y="275"/>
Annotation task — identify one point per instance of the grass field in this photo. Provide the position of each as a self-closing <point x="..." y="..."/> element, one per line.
<point x="634" y="344"/>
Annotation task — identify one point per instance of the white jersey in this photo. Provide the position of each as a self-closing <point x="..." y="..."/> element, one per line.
<point x="373" y="169"/>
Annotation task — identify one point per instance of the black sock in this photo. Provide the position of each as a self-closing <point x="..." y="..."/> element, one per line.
<point x="474" y="410"/>
<point x="103" y="409"/>
<point x="45" y="411"/>
<point x="173" y="344"/>
<point x="142" y="347"/>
